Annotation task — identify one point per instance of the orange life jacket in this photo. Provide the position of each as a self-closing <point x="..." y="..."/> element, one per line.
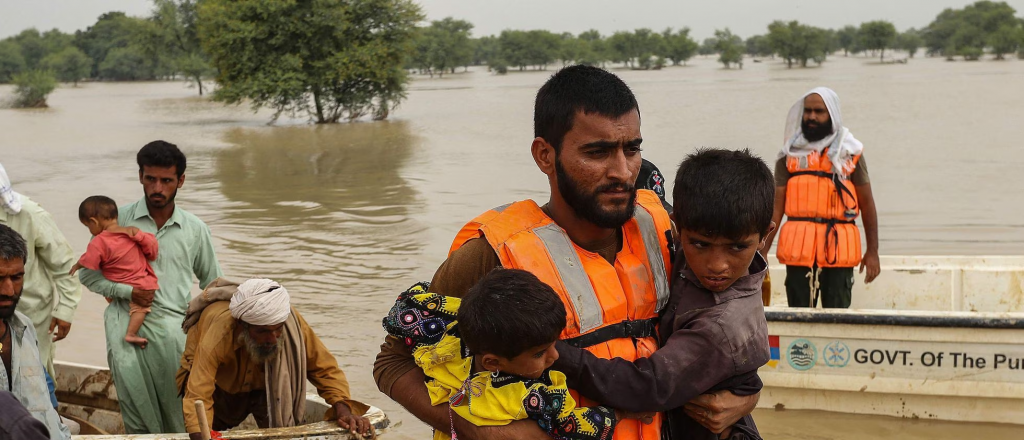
<point x="611" y="310"/>
<point x="821" y="208"/>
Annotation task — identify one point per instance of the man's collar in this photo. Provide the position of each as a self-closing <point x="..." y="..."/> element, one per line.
<point x="142" y="210"/>
<point x="17" y="325"/>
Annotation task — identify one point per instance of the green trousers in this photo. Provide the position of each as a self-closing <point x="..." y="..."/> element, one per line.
<point x="835" y="286"/>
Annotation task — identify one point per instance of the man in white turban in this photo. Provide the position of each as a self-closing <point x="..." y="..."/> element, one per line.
<point x="822" y="186"/>
<point x="249" y="352"/>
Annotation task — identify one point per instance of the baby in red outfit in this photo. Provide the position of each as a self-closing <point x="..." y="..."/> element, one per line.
<point x="121" y="254"/>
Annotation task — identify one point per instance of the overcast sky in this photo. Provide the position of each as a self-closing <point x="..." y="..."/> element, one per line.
<point x="744" y="17"/>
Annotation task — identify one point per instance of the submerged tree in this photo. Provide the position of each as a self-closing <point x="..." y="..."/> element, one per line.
<point x="637" y="49"/>
<point x="176" y="36"/>
<point x="330" y="59"/>
<point x="446" y="44"/>
<point x="32" y="87"/>
<point x="679" y="46"/>
<point x="729" y="47"/>
<point x="69" y="65"/>
<point x="796" y="42"/>
<point x="11" y="61"/>
<point x="966" y="32"/>
<point x="707" y="47"/>
<point x="909" y="41"/>
<point x="597" y="52"/>
<point x="120" y="38"/>
<point x="1006" y="40"/>
<point x="759" y="46"/>
<point x="877" y="35"/>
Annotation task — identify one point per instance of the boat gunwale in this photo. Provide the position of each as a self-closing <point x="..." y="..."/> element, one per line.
<point x="981" y="320"/>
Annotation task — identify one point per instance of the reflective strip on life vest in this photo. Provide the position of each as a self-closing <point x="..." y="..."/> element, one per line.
<point x="577" y="283"/>
<point x="652" y="245"/>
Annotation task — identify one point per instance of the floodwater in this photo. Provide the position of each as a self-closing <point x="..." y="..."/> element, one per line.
<point x="348" y="216"/>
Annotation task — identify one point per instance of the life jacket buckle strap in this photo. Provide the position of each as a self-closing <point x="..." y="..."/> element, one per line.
<point x="642" y="328"/>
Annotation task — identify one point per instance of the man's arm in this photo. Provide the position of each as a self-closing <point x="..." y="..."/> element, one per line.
<point x="780" y="210"/>
<point x="55" y="253"/>
<point x="410" y="392"/>
<point x="95" y="282"/>
<point x="870" y="219"/>
<point x="398" y="376"/>
<point x="691" y="362"/>
<point x="205" y="264"/>
<point x="721" y="410"/>
<point x="202" y="380"/>
<point x="457" y="274"/>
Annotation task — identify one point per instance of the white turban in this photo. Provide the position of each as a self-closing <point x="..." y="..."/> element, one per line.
<point x="842" y="146"/>
<point x="9" y="200"/>
<point x="260" y="302"/>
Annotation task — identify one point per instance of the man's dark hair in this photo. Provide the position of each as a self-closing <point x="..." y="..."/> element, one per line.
<point x="12" y="245"/>
<point x="724" y="193"/>
<point x="161" y="154"/>
<point x="508" y="312"/>
<point x="578" y="88"/>
<point x="101" y="207"/>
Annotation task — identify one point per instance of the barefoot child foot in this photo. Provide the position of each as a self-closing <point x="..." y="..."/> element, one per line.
<point x="136" y="317"/>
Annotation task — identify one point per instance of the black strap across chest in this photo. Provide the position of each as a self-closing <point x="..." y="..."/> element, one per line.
<point x="642" y="328"/>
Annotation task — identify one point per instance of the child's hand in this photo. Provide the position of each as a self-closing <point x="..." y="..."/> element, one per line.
<point x="144" y="298"/>
<point x="129" y="231"/>
<point x="74" y="269"/>
<point x="644" y="417"/>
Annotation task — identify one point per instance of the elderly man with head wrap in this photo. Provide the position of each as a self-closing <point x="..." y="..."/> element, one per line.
<point x="249" y="352"/>
<point x="822" y="185"/>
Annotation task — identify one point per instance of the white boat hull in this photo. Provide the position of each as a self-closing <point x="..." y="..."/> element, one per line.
<point x="933" y="338"/>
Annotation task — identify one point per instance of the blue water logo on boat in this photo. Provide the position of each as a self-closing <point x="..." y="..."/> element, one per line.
<point x="801" y="354"/>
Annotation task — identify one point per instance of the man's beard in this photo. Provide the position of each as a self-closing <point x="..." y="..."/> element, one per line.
<point x="161" y="202"/>
<point x="260" y="353"/>
<point x="8" y="312"/>
<point x="587" y="207"/>
<point x="817" y="132"/>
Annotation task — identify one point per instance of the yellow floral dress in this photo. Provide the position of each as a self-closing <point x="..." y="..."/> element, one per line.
<point x="426" y="322"/>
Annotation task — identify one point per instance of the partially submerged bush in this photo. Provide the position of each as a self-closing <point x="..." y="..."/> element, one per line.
<point x="498" y="65"/>
<point x="972" y="53"/>
<point x="33" y="87"/>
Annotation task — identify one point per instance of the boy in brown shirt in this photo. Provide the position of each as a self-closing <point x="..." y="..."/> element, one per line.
<point x="713" y="331"/>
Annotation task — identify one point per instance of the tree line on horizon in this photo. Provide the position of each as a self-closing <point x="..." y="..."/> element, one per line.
<point x="967" y="33"/>
<point x="343" y="59"/>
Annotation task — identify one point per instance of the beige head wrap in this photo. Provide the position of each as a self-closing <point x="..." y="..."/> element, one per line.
<point x="260" y="302"/>
<point x="9" y="200"/>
